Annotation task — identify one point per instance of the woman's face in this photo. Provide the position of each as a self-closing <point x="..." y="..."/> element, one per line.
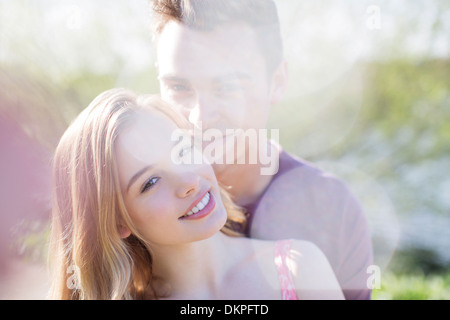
<point x="168" y="202"/>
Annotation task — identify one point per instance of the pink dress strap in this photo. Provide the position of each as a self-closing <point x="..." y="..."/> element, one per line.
<point x="281" y="253"/>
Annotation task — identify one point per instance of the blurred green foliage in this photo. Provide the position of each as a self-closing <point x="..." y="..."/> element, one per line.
<point x="414" y="274"/>
<point x="401" y="286"/>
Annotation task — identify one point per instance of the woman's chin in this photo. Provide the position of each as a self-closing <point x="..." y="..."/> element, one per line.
<point x="216" y="222"/>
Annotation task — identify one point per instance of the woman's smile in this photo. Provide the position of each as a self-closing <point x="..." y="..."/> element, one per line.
<point x="201" y="207"/>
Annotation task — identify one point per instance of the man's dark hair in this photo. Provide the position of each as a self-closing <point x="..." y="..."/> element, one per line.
<point x="205" y="15"/>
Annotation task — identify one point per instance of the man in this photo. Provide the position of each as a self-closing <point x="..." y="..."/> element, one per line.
<point x="221" y="62"/>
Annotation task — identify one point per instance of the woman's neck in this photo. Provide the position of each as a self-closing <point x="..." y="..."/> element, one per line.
<point x="197" y="269"/>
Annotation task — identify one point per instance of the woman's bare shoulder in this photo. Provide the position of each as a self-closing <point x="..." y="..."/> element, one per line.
<point x="312" y="273"/>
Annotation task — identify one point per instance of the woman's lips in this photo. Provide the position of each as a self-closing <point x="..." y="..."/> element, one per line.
<point x="204" y="206"/>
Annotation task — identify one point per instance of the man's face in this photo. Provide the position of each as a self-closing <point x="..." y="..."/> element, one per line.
<point x="217" y="78"/>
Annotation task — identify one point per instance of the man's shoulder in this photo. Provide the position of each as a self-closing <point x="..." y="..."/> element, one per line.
<point x="314" y="192"/>
<point x="301" y="174"/>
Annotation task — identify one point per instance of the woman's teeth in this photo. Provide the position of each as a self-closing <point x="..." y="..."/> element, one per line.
<point x="202" y="203"/>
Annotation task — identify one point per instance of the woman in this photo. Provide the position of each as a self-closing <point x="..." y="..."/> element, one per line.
<point x="129" y="213"/>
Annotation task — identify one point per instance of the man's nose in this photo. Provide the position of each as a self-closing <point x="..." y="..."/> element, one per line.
<point x="205" y="111"/>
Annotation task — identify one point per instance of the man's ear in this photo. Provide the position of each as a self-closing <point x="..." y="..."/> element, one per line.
<point x="124" y="231"/>
<point x="279" y="82"/>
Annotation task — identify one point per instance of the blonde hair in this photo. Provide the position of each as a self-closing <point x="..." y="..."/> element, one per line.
<point x="88" y="257"/>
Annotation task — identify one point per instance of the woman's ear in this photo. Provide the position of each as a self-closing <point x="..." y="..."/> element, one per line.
<point x="124" y="232"/>
<point x="279" y="83"/>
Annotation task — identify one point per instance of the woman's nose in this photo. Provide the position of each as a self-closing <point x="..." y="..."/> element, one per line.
<point x="187" y="183"/>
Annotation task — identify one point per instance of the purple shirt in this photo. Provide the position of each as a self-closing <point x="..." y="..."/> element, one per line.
<point x="302" y="202"/>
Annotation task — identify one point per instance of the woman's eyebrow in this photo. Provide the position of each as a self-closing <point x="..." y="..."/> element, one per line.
<point x="144" y="169"/>
<point x="137" y="175"/>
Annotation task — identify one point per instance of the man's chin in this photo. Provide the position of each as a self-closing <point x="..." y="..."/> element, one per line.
<point x="220" y="168"/>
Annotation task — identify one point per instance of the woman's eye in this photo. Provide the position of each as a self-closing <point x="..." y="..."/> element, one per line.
<point x="149" y="183"/>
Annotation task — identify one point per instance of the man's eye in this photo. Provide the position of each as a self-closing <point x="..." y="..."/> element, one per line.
<point x="178" y="87"/>
<point x="149" y="184"/>
<point x="227" y="88"/>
